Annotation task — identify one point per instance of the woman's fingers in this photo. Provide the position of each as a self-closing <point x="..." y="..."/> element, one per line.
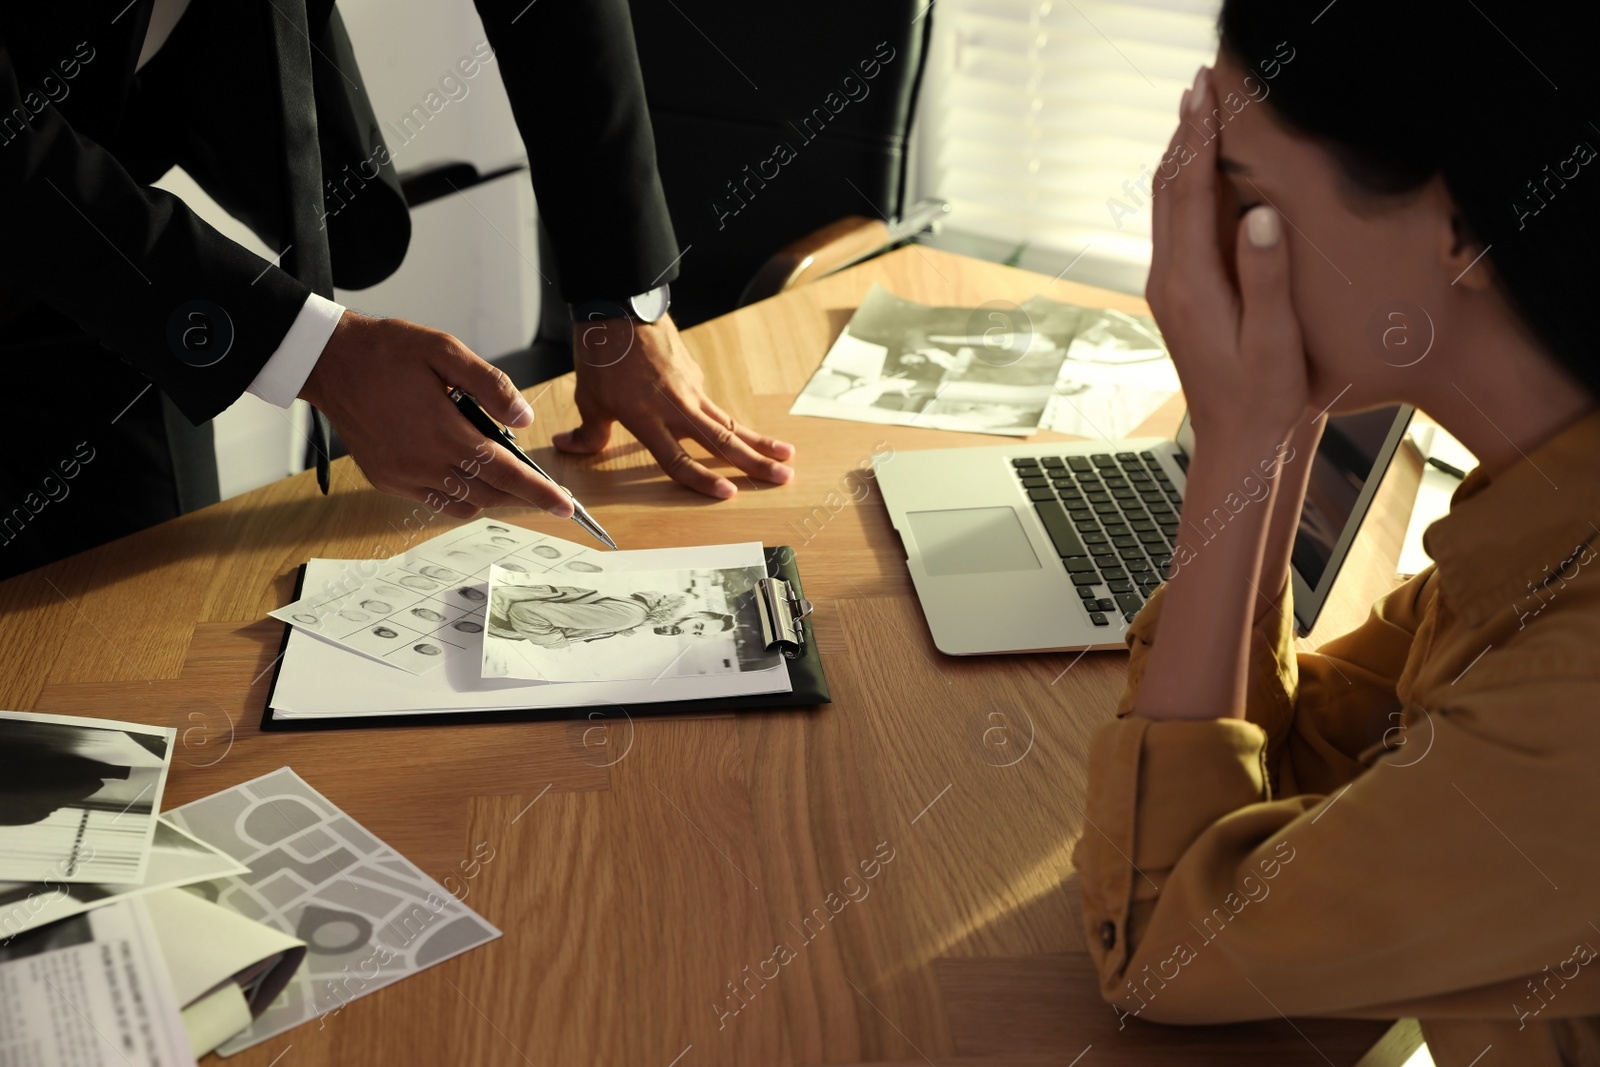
<point x="1267" y="325"/>
<point x="1271" y="348"/>
<point x="1192" y="226"/>
<point x="1183" y="239"/>
<point x="1161" y="212"/>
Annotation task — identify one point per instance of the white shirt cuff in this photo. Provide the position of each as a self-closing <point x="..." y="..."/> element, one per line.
<point x="285" y="373"/>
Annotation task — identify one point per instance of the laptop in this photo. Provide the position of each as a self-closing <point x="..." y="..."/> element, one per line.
<point x="1051" y="547"/>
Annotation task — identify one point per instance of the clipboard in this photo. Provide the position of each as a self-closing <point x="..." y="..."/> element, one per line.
<point x="785" y="627"/>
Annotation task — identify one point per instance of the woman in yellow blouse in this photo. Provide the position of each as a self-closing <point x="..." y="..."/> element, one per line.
<point x="1368" y="202"/>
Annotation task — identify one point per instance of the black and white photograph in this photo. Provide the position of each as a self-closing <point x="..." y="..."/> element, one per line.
<point x="998" y="370"/>
<point x="1116" y="375"/>
<point x="425" y="608"/>
<point x="78" y="797"/>
<point x="624" y="625"/>
<point x="972" y="369"/>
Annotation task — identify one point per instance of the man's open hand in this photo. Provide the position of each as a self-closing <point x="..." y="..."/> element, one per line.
<point x="385" y="383"/>
<point x="641" y="375"/>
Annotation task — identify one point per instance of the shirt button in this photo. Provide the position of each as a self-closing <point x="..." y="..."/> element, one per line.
<point x="1108" y="935"/>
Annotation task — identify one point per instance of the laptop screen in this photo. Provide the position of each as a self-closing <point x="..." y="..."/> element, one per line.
<point x="1351" y="459"/>
<point x="1350" y="449"/>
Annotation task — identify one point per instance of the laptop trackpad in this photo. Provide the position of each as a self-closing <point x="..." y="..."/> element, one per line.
<point x="972" y="541"/>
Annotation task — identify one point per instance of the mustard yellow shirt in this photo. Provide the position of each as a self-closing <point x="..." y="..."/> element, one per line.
<point x="1405" y="823"/>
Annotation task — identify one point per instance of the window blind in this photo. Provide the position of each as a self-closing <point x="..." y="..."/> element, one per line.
<point x="1044" y="119"/>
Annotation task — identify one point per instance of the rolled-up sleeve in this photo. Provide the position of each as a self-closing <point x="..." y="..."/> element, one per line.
<point x="1319" y="710"/>
<point x="1274" y="674"/>
<point x="1386" y="891"/>
<point x="1154" y="788"/>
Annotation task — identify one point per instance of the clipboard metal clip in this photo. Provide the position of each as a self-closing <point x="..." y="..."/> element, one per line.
<point x="782" y="613"/>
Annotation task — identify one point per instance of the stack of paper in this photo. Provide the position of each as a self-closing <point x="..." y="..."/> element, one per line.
<point x="97" y="942"/>
<point x="202" y="946"/>
<point x="491" y="616"/>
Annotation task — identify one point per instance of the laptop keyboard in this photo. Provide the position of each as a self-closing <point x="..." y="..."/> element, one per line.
<point x="1112" y="519"/>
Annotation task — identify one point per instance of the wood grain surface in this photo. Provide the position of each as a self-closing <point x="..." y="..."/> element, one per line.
<point x="646" y="871"/>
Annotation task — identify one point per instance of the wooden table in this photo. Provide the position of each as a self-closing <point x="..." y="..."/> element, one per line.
<point x="662" y="861"/>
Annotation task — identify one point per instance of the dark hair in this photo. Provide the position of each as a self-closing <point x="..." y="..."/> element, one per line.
<point x="1402" y="91"/>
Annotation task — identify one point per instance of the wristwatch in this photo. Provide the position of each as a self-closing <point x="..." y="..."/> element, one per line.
<point x="646" y="307"/>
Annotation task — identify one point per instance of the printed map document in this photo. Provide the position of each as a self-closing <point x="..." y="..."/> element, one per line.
<point x="370" y="916"/>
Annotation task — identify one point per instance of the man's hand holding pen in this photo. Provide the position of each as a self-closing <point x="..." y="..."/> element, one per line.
<point x="385" y="383"/>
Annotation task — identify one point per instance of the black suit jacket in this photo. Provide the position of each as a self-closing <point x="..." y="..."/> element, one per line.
<point x="82" y="133"/>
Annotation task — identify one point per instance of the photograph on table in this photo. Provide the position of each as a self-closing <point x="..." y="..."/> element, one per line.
<point x="425" y="608"/>
<point x="78" y="797"/>
<point x="624" y="625"/>
<point x="998" y="368"/>
<point x="1116" y="375"/>
<point x="980" y="370"/>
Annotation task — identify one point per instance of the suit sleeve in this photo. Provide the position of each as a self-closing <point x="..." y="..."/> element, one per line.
<point x="572" y="71"/>
<point x="130" y="264"/>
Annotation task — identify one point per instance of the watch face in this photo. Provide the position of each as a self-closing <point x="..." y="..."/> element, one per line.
<point x="649" y="307"/>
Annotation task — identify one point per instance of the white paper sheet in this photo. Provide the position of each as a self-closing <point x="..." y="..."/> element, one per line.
<point x="320" y="679"/>
<point x="207" y="945"/>
<point x="91" y="991"/>
<point x="176" y="859"/>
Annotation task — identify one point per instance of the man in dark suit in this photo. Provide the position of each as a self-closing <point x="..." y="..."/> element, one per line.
<point x="126" y="322"/>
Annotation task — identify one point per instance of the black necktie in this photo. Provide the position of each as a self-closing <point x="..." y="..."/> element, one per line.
<point x="306" y="256"/>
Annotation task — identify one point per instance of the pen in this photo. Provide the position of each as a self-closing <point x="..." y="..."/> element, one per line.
<point x="497" y="433"/>
<point x="1454" y="472"/>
